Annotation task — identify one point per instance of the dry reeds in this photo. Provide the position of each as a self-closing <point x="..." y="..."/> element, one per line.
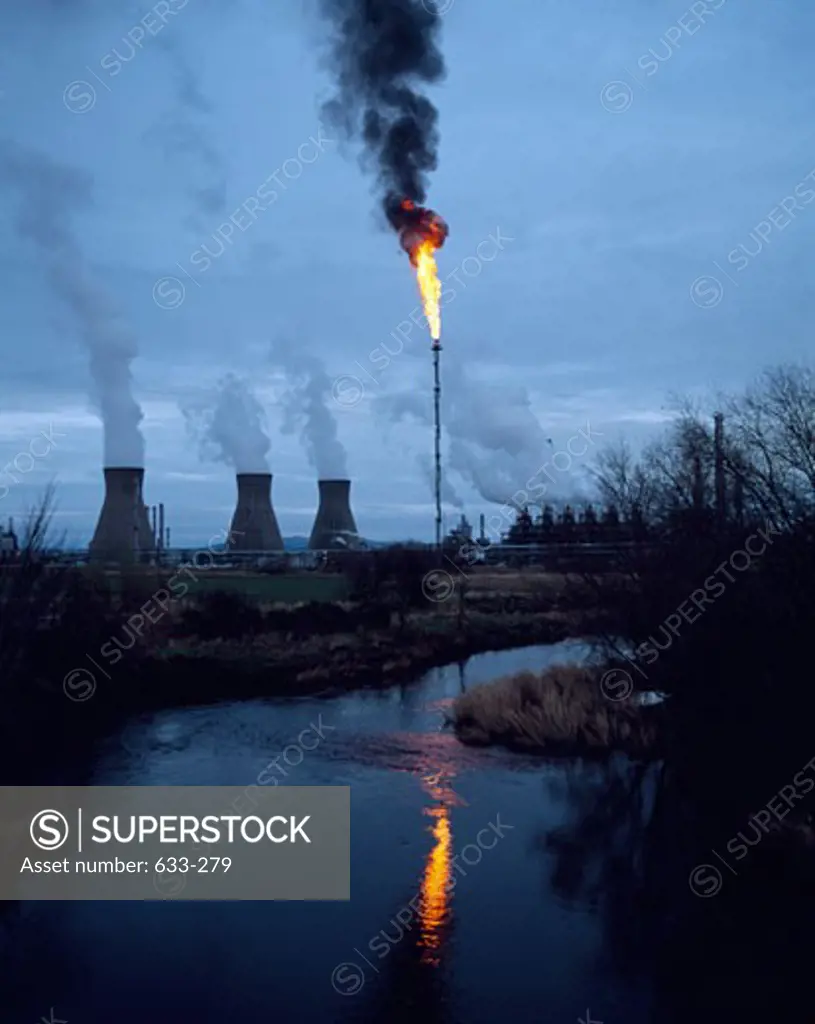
<point x="560" y="710"/>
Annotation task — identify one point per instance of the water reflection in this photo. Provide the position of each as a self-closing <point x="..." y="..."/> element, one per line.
<point x="436" y="960"/>
<point x="435" y="892"/>
<point x="634" y="835"/>
<point x="414" y="981"/>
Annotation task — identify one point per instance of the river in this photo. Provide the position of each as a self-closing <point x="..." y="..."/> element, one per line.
<point x="453" y="917"/>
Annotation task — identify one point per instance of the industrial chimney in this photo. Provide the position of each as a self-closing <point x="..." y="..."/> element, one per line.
<point x="254" y="526"/>
<point x="123" y="532"/>
<point x="719" y="476"/>
<point x="334" y="527"/>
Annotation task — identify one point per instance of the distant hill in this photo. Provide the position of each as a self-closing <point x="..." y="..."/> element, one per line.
<point x="299" y="543"/>
<point x="296" y="543"/>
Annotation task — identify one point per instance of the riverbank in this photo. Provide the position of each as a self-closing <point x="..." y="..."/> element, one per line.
<point x="66" y="707"/>
<point x="560" y="711"/>
<point x="184" y="672"/>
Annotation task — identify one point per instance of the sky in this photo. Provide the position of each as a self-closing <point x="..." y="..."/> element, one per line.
<point x="630" y="189"/>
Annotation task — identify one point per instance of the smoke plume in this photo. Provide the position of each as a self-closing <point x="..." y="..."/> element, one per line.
<point x="381" y="51"/>
<point x="228" y="423"/>
<point x="495" y="441"/>
<point x="306" y="410"/>
<point x="50" y="192"/>
<point x="183" y="133"/>
<point x="428" y="470"/>
<point x="413" y="406"/>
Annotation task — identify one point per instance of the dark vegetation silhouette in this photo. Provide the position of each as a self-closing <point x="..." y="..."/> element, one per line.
<point x="739" y="712"/>
<point x="51" y="613"/>
<point x="220" y="614"/>
<point x="394" y="574"/>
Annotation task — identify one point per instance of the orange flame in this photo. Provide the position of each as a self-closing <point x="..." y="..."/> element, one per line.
<point x="421" y="245"/>
<point x="427" y="275"/>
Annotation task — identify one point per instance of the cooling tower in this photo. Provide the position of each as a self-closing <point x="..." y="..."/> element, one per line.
<point x="123" y="532"/>
<point x="334" y="527"/>
<point x="254" y="527"/>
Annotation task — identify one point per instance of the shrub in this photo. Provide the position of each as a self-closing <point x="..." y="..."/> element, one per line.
<point x="221" y="614"/>
<point x="560" y="709"/>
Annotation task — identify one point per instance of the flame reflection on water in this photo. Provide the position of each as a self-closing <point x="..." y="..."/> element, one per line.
<point x="436" y="891"/>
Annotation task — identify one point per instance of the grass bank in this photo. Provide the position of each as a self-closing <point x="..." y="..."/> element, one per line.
<point x="561" y="710"/>
<point x="187" y="671"/>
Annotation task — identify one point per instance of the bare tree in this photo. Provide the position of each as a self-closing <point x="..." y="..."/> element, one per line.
<point x="680" y="466"/>
<point x="772" y="452"/>
<point x="768" y="458"/>
<point x="29" y="591"/>
<point x="47" y="607"/>
<point x="623" y="481"/>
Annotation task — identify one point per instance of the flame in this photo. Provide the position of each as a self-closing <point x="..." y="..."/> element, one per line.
<point x="422" y="239"/>
<point x="427" y="275"/>
<point x="435" y="891"/>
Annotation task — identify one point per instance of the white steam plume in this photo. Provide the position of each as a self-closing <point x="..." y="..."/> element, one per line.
<point x="495" y="441"/>
<point x="184" y="133"/>
<point x="228" y="423"/>
<point x="428" y="469"/>
<point x="49" y="194"/>
<point x="306" y="409"/>
<point x="410" y="405"/>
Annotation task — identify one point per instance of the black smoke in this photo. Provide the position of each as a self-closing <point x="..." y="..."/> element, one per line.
<point x="383" y="52"/>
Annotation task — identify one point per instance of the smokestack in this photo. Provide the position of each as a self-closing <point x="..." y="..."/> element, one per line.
<point x="161" y="526"/>
<point x="123" y="531"/>
<point x="738" y="498"/>
<point x="481" y="524"/>
<point x="698" y="487"/>
<point x="254" y="526"/>
<point x="721" y="493"/>
<point x="153" y="526"/>
<point x="334" y="527"/>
